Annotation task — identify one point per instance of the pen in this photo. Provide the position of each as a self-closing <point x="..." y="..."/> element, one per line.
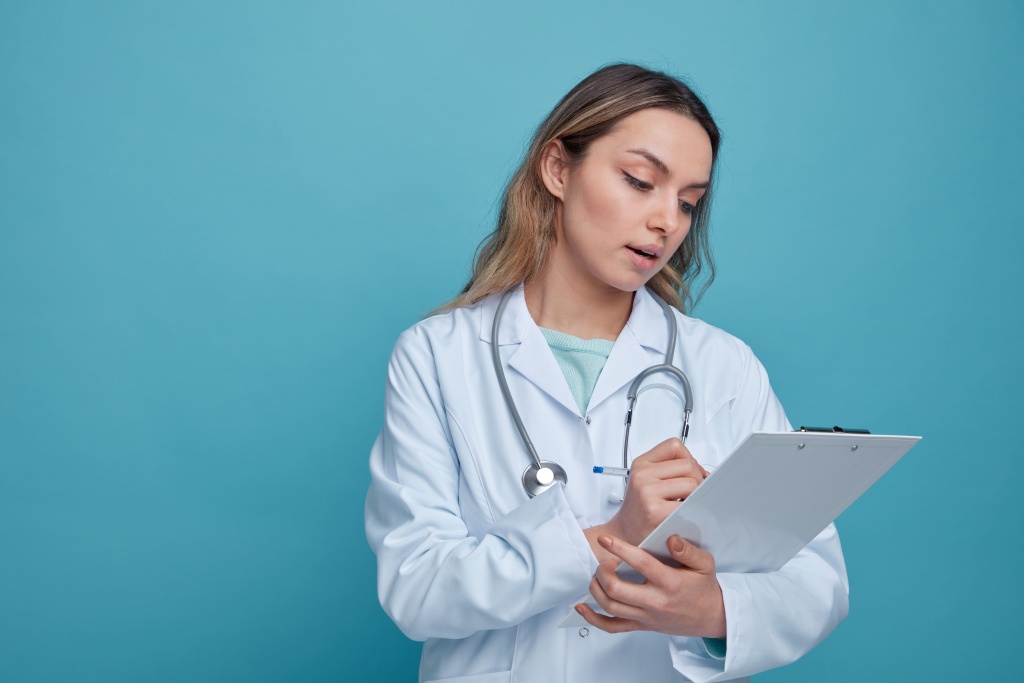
<point x="614" y="471"/>
<point x="620" y="472"/>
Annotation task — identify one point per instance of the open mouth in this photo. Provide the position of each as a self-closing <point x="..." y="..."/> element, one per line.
<point x="642" y="253"/>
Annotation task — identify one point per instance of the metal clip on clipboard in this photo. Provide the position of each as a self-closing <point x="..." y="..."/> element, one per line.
<point x="832" y="430"/>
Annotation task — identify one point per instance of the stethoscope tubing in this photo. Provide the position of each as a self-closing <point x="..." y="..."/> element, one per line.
<point x="542" y="474"/>
<point x="496" y="359"/>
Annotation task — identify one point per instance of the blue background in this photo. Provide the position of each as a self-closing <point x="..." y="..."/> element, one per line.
<point x="216" y="218"/>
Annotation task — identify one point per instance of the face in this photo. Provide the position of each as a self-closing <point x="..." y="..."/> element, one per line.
<point x="628" y="206"/>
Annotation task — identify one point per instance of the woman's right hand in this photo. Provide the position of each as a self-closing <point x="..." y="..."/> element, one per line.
<point x="659" y="480"/>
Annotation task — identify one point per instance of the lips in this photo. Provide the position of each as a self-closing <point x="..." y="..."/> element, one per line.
<point x="641" y="260"/>
<point x="652" y="251"/>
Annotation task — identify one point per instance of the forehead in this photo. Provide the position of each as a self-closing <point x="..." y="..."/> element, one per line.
<point x="679" y="141"/>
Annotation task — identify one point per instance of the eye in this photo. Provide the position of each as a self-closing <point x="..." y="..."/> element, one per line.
<point x="636" y="182"/>
<point x="687" y="208"/>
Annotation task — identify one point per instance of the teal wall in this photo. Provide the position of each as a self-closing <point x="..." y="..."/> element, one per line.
<point x="216" y="218"/>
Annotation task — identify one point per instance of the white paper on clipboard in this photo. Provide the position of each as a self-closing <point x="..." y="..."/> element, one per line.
<point x="771" y="497"/>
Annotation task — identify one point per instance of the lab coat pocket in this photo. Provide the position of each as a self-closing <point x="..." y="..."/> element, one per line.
<point x="474" y="504"/>
<point x="496" y="677"/>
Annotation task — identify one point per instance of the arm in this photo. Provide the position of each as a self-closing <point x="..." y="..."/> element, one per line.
<point x="771" y="619"/>
<point x="768" y="619"/>
<point x="434" y="578"/>
<point x="775" y="618"/>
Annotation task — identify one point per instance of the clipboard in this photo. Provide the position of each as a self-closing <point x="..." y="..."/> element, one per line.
<point x="771" y="497"/>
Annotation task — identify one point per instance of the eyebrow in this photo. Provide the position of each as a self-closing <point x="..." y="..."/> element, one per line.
<point x="660" y="165"/>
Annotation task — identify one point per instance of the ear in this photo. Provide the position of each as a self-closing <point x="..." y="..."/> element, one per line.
<point x="554" y="168"/>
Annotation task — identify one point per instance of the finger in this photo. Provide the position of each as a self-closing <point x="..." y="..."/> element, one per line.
<point x="670" y="469"/>
<point x="650" y="567"/>
<point x="619" y="589"/>
<point x="611" y="606"/>
<point x="673" y="489"/>
<point x="669" y="449"/>
<point x="690" y="556"/>
<point x="605" y="623"/>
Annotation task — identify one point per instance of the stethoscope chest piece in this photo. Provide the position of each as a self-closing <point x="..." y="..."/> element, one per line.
<point x="539" y="478"/>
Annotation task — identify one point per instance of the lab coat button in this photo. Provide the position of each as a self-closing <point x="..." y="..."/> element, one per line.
<point x="588" y="419"/>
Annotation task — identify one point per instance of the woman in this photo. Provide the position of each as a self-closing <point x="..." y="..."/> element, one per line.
<point x="608" y="211"/>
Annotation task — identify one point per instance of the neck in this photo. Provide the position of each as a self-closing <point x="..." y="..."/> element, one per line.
<point x="572" y="305"/>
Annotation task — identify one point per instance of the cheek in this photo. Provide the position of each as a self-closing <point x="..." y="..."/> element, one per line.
<point x="602" y="209"/>
<point x="681" y="236"/>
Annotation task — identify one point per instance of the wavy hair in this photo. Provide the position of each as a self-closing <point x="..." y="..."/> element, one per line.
<point x="519" y="245"/>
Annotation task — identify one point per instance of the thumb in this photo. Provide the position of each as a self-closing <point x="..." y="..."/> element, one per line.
<point x="689" y="555"/>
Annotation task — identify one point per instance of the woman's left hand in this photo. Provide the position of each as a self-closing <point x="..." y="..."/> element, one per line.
<point x="683" y="601"/>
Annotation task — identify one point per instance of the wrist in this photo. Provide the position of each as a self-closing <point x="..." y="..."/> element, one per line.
<point x="613" y="528"/>
<point x="717" y="626"/>
<point x="592" y="534"/>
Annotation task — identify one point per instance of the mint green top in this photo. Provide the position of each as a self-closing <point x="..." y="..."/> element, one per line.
<point x="581" y="361"/>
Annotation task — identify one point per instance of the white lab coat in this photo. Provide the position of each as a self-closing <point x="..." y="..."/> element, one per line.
<point x="469" y="564"/>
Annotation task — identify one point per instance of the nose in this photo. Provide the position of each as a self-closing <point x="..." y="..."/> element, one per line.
<point x="667" y="217"/>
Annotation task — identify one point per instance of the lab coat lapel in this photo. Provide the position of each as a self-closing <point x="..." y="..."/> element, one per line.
<point x="641" y="343"/>
<point x="532" y="358"/>
<point x="535" y="361"/>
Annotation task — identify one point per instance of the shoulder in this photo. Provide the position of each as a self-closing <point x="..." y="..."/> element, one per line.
<point x="438" y="334"/>
<point x="732" y="377"/>
<point x="713" y="344"/>
<point x="724" y="363"/>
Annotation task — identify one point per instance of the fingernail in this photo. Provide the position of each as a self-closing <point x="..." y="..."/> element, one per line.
<point x="579" y="609"/>
<point x="677" y="544"/>
<point x="605" y="541"/>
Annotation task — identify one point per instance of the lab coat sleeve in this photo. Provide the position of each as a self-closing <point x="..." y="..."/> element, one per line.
<point x="435" y="579"/>
<point x="773" y="618"/>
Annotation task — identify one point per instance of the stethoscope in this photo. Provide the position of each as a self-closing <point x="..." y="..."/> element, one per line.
<point x="542" y="474"/>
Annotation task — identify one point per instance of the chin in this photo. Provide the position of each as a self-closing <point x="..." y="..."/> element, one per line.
<point x="627" y="284"/>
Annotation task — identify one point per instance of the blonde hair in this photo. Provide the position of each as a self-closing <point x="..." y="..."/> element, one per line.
<point x="519" y="246"/>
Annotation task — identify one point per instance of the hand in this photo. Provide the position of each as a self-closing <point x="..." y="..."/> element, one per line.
<point x="683" y="601"/>
<point x="659" y="479"/>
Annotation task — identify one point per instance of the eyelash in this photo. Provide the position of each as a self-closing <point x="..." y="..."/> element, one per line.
<point x="685" y="207"/>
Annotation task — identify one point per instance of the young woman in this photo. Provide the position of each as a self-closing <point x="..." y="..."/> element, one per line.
<point x="487" y="520"/>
